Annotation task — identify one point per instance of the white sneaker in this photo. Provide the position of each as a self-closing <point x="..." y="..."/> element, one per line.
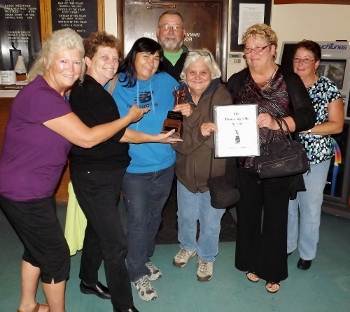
<point x="145" y="289"/>
<point x="154" y="272"/>
<point x="205" y="270"/>
<point x="182" y="257"/>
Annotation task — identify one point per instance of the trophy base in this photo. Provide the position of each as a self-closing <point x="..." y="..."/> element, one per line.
<point x="173" y="121"/>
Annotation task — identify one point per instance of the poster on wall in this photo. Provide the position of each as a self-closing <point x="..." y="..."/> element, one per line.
<point x="19" y="32"/>
<point x="82" y="16"/>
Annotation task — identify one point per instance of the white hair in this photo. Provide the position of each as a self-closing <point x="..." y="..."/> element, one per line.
<point x="207" y="57"/>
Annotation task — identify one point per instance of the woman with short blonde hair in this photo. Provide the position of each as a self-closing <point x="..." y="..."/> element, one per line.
<point x="261" y="247"/>
<point x="38" y="138"/>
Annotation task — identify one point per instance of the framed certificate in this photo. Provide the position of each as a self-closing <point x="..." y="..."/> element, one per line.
<point x="237" y="131"/>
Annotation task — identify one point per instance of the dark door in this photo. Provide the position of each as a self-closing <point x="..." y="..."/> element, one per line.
<point x="205" y="23"/>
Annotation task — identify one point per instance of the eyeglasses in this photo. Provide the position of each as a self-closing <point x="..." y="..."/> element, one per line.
<point x="257" y="50"/>
<point x="305" y="61"/>
<point x="174" y="28"/>
<point x="201" y="53"/>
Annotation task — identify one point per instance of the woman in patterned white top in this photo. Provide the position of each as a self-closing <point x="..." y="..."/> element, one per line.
<point x="318" y="143"/>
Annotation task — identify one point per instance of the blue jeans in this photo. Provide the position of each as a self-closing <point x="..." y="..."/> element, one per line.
<point x="304" y="212"/>
<point x="144" y="196"/>
<point x="193" y="207"/>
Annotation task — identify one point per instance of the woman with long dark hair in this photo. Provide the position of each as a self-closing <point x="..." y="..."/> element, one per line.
<point x="148" y="179"/>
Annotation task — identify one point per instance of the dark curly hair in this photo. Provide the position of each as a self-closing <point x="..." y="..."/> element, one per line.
<point x="311" y="46"/>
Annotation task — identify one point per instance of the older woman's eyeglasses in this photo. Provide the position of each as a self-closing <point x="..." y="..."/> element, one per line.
<point x="201" y="53"/>
<point x="256" y="50"/>
<point x="168" y="27"/>
<point x="306" y="61"/>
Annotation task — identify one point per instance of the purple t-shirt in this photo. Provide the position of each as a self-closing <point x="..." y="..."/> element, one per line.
<point x="33" y="156"/>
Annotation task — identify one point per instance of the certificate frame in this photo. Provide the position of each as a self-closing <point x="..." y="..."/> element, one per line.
<point x="237" y="132"/>
<point x="235" y="15"/>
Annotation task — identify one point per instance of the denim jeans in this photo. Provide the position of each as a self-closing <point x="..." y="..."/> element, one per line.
<point x="193" y="207"/>
<point x="304" y="212"/>
<point x="144" y="196"/>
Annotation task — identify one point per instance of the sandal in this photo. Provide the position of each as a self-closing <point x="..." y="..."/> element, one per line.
<point x="272" y="287"/>
<point x="252" y="277"/>
<point x="37" y="307"/>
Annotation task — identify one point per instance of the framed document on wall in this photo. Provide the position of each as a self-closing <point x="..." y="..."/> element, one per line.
<point x="237" y="131"/>
<point x="244" y="14"/>
<point x="84" y="16"/>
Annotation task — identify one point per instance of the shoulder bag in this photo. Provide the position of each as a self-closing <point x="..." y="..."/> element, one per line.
<point x="282" y="158"/>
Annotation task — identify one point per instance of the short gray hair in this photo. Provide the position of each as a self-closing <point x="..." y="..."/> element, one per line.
<point x="207" y="57"/>
<point x="59" y="40"/>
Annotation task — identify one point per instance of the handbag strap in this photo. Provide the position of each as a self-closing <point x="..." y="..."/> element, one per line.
<point x="112" y="84"/>
<point x="281" y="121"/>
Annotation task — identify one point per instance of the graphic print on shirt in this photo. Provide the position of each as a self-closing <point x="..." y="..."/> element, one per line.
<point x="144" y="99"/>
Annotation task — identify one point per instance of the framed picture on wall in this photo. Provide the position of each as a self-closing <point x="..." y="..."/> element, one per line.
<point x="84" y="16"/>
<point x="246" y="13"/>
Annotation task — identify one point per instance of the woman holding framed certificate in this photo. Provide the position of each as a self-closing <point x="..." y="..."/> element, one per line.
<point x="261" y="249"/>
<point x="193" y="162"/>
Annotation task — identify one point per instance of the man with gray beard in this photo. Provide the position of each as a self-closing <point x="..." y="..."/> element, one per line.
<point x="171" y="34"/>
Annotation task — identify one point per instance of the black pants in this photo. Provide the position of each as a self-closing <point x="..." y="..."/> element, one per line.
<point x="261" y="245"/>
<point x="45" y="247"/>
<point x="98" y="195"/>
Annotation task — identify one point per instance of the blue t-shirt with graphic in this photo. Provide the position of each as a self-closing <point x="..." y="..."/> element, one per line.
<point x="155" y="93"/>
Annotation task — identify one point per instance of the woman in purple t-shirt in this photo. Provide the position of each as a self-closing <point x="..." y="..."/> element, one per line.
<point x="38" y="138"/>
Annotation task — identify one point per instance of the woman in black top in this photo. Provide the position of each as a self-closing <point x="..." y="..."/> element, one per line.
<point x="97" y="174"/>
<point x="261" y="249"/>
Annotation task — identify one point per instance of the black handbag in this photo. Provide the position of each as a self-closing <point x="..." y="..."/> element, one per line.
<point x="223" y="189"/>
<point x="282" y="158"/>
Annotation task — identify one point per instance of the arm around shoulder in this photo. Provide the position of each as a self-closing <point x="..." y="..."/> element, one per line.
<point x="302" y="108"/>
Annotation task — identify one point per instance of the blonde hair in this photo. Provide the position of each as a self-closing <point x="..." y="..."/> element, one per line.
<point x="59" y="40"/>
<point x="207" y="57"/>
<point x="261" y="30"/>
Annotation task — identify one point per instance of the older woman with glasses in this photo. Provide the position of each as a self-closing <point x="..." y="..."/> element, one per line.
<point x="305" y="211"/>
<point x="261" y="249"/>
<point x="201" y="75"/>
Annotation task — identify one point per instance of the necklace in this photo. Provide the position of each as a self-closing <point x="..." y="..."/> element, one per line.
<point x="266" y="83"/>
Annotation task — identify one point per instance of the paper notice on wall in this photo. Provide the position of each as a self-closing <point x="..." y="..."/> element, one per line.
<point x="249" y="14"/>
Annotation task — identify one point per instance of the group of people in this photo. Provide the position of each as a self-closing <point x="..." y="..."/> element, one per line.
<point x="108" y="120"/>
